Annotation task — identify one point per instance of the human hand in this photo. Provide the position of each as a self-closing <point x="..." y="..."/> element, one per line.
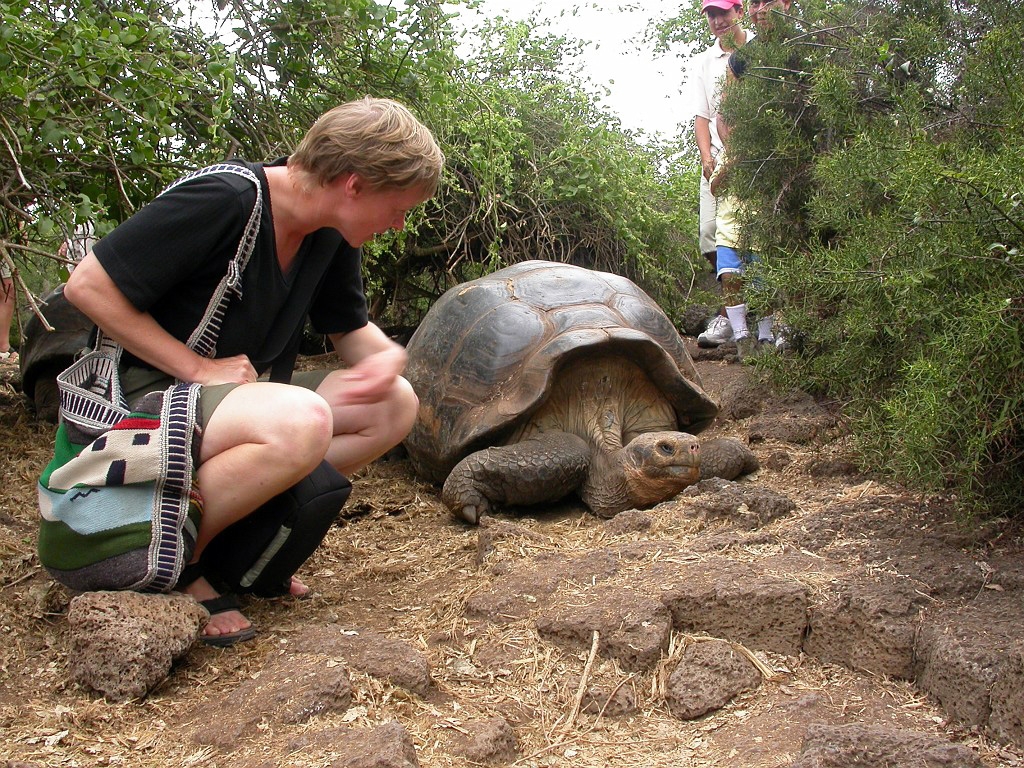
<point x="237" y="369"/>
<point x="717" y="180"/>
<point x="708" y="167"/>
<point x="370" y="380"/>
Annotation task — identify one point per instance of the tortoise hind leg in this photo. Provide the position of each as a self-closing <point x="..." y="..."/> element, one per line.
<point x="542" y="469"/>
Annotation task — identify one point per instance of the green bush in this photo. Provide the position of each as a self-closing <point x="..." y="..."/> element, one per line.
<point x="882" y="172"/>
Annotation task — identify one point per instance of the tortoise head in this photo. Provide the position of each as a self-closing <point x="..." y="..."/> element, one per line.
<point x="651" y="468"/>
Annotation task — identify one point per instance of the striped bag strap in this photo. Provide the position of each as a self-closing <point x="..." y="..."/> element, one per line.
<point x="90" y="388"/>
<point x="203" y="340"/>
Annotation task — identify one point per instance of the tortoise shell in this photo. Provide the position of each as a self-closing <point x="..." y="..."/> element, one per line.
<point x="485" y="355"/>
<point x="45" y="353"/>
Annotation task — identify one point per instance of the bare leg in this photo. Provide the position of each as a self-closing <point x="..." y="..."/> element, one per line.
<point x="732" y="288"/>
<point x="261" y="440"/>
<point x="364" y="432"/>
<point x="6" y="313"/>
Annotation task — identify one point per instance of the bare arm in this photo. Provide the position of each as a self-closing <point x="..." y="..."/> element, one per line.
<point x="91" y="290"/>
<point x="702" y="132"/>
<point x="375" y="362"/>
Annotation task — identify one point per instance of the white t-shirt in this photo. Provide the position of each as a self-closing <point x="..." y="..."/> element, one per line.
<point x="80" y="243"/>
<point x="705" y="78"/>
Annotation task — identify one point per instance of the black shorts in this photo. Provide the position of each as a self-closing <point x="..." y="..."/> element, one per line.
<point x="136" y="382"/>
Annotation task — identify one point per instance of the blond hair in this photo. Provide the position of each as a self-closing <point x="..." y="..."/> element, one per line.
<point x="378" y="139"/>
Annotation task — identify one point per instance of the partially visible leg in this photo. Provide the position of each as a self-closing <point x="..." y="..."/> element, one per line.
<point x="738" y="320"/>
<point x="362" y="433"/>
<point x="261" y="440"/>
<point x="730" y="273"/>
<point x="546" y="467"/>
<point x="6" y="311"/>
<point x="719" y="329"/>
<point x="708" y="216"/>
<point x="261" y="553"/>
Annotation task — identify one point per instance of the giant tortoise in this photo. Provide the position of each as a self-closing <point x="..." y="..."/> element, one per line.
<point x="543" y="379"/>
<point x="45" y="353"/>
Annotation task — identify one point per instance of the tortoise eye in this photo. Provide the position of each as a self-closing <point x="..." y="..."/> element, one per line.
<point x="665" y="449"/>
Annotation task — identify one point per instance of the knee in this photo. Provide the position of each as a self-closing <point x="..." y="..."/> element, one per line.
<point x="305" y="428"/>
<point x="732" y="282"/>
<point x="405" y="405"/>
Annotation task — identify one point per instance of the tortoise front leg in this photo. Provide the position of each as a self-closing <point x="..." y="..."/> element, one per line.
<point x="727" y="458"/>
<point x="544" y="468"/>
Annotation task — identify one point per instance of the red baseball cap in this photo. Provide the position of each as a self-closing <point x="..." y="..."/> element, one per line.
<point x="725" y="5"/>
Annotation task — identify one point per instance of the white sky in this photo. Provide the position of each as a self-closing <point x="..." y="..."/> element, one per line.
<point x="644" y="88"/>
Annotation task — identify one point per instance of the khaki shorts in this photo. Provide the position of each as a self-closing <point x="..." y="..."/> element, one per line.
<point x="137" y="382"/>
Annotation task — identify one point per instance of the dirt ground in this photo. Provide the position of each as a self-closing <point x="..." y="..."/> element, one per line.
<point x="807" y="615"/>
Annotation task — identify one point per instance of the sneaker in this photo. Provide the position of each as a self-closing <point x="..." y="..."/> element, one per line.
<point x="719" y="331"/>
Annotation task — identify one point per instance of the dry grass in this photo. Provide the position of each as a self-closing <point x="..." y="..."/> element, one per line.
<point x="398" y="564"/>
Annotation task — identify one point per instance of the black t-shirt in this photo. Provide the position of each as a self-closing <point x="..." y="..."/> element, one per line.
<point x="169" y="257"/>
<point x="739" y="60"/>
<point x="759" y="53"/>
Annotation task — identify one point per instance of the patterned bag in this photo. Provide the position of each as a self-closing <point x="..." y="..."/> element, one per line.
<point x="118" y="502"/>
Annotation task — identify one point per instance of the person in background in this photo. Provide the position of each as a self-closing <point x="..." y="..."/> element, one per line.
<point x="769" y="19"/>
<point x="7" y="303"/>
<point x="706" y="78"/>
<point x="358" y="172"/>
<point x="75" y="248"/>
<point x="731" y="263"/>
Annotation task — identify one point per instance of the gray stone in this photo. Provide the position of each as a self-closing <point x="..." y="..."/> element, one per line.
<point x="527" y="587"/>
<point x="1007" y="719"/>
<point x="634" y="629"/>
<point x="695" y="319"/>
<point x="290" y="689"/>
<point x="609" y="702"/>
<point x="860" y="746"/>
<point x="630" y="521"/>
<point x="956" y="672"/>
<point x="493" y="532"/>
<point x="375" y="654"/>
<point x="710" y="673"/>
<point x="972" y="660"/>
<point x="486" y="741"/>
<point x="866" y="624"/>
<point x="748" y="506"/>
<point x="737" y="602"/>
<point x="386" y="746"/>
<point x="124" y="643"/>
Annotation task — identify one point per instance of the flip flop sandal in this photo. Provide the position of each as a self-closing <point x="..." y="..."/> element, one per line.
<point x="224" y="604"/>
<point x="284" y="589"/>
<point x="213" y="606"/>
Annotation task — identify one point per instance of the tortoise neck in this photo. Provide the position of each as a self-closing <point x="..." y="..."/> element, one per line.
<point x="606" y="491"/>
